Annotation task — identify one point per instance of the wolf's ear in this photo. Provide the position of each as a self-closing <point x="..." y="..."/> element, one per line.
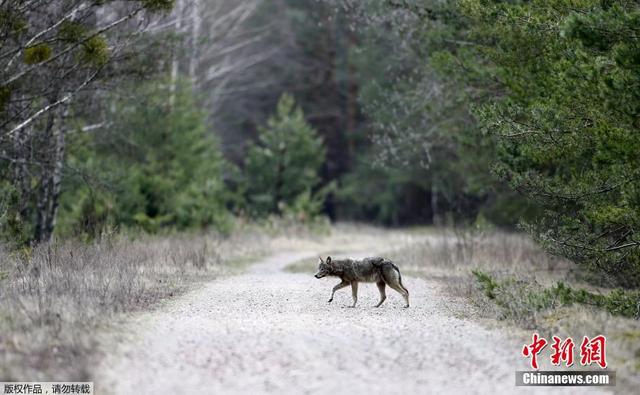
<point x="321" y="261"/>
<point x="329" y="260"/>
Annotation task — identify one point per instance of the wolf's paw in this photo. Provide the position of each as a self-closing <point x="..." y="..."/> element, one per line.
<point x="406" y="307"/>
<point x="330" y="300"/>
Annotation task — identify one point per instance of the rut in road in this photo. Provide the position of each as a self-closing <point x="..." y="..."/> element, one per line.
<point x="269" y="331"/>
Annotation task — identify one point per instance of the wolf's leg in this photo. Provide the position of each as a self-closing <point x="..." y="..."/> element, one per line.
<point x="383" y="294"/>
<point x="401" y="290"/>
<point x="354" y="292"/>
<point x="337" y="287"/>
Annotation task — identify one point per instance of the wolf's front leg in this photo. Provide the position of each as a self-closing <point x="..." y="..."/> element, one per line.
<point x="383" y="294"/>
<point x="337" y="287"/>
<point x="354" y="292"/>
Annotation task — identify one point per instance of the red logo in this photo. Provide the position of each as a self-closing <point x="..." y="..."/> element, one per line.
<point x="562" y="351"/>
<point x="591" y="351"/>
<point x="532" y="350"/>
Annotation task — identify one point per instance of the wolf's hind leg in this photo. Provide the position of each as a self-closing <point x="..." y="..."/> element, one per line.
<point x="383" y="295"/>
<point x="402" y="291"/>
<point x="354" y="292"/>
<point x="337" y="287"/>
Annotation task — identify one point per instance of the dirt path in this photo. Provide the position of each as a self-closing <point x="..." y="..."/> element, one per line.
<point x="269" y="331"/>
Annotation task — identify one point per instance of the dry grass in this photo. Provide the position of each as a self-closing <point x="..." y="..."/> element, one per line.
<point x="451" y="255"/>
<point x="55" y="296"/>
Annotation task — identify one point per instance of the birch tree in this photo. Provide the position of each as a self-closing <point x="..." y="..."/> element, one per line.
<point x="216" y="46"/>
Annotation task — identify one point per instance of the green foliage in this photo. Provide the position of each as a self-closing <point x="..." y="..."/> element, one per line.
<point x="46" y="53"/>
<point x="422" y="124"/>
<point x="517" y="298"/>
<point x="157" y="166"/>
<point x="15" y="230"/>
<point x="567" y="123"/>
<point x="12" y="22"/>
<point x="487" y="283"/>
<point x="5" y="96"/>
<point x="383" y="194"/>
<point x="158" y="5"/>
<point x="95" y="51"/>
<point x="37" y="53"/>
<point x="282" y="167"/>
<point x="72" y="32"/>
<point x="308" y="206"/>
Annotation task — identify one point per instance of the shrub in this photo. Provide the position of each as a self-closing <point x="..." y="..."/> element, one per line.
<point x="519" y="298"/>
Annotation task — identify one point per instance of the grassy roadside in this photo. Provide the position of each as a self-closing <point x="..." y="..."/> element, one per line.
<point x="506" y="278"/>
<point x="56" y="297"/>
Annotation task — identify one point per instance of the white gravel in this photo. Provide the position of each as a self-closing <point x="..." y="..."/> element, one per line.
<point x="269" y="331"/>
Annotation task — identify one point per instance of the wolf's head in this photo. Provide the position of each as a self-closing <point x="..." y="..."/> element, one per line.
<point x="324" y="267"/>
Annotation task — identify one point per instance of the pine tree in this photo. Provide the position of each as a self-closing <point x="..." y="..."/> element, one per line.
<point x="158" y="165"/>
<point x="567" y="117"/>
<point x="284" y="163"/>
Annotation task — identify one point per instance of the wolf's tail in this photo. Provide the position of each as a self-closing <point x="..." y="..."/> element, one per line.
<point x="399" y="276"/>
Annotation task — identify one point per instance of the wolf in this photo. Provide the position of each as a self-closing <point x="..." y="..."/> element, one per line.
<point x="369" y="270"/>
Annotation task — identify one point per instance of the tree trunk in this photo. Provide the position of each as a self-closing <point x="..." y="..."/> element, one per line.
<point x="352" y="94"/>
<point x="45" y="185"/>
<point x="21" y="179"/>
<point x="196" y="21"/>
<point x="56" y="182"/>
<point x="175" y="62"/>
<point x="279" y="180"/>
<point x="50" y="181"/>
<point x="435" y="214"/>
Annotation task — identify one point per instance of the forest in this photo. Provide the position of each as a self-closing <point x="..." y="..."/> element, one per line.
<point x="161" y="115"/>
<point x="146" y="145"/>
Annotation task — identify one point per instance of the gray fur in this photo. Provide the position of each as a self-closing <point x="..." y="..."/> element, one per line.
<point x="369" y="270"/>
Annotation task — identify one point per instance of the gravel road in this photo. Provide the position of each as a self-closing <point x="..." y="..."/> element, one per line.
<point x="269" y="331"/>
